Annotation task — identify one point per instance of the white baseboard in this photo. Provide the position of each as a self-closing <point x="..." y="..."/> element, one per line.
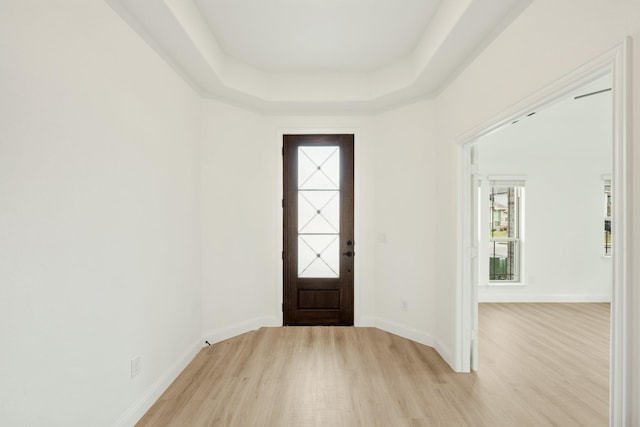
<point x="153" y="393"/>
<point x="417" y="336"/>
<point x="239" y="329"/>
<point x="271" y="322"/>
<point x="544" y="298"/>
<point x="403" y="331"/>
<point x="445" y="353"/>
<point x="365" y="322"/>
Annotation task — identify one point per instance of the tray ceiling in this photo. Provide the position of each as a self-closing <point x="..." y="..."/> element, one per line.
<point x="318" y="56"/>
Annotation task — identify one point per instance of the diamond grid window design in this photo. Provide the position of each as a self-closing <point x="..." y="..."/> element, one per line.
<point x="318" y="211"/>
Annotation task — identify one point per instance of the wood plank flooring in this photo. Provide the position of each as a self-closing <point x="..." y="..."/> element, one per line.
<point x="540" y="365"/>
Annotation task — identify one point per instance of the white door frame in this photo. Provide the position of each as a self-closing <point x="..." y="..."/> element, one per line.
<point x="617" y="62"/>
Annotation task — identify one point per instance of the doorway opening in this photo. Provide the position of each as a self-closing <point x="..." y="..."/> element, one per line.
<point x="544" y="272"/>
<point x="615" y="63"/>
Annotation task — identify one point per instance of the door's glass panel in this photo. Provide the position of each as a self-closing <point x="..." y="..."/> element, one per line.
<point x="318" y="255"/>
<point x="319" y="168"/>
<point x="318" y="211"/>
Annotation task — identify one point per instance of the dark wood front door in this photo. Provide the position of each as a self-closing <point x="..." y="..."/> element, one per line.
<point x="318" y="229"/>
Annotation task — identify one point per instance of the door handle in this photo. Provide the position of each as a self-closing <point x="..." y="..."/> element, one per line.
<point x="348" y="253"/>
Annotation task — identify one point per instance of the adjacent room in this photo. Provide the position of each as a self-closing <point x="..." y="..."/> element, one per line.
<point x="151" y="253"/>
<point x="545" y="202"/>
<point x="545" y="258"/>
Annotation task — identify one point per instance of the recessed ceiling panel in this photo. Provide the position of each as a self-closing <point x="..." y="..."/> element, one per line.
<point x="318" y="35"/>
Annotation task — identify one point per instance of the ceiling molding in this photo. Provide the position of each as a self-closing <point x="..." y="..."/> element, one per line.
<point x="458" y="30"/>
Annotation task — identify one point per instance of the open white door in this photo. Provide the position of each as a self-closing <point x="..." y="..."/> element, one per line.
<point x="468" y="263"/>
<point x="476" y="265"/>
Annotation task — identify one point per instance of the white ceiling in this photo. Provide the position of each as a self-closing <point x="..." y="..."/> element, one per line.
<point x="333" y="36"/>
<point x="318" y="56"/>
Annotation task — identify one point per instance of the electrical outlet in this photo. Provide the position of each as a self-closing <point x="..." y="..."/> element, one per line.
<point x="404" y="306"/>
<point x="135" y="366"/>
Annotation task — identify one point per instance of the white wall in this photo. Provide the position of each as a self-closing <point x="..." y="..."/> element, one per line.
<point x="563" y="151"/>
<point x="547" y="41"/>
<point x="406" y="219"/>
<point x="240" y="207"/>
<point x="98" y="216"/>
<point x="242" y="217"/>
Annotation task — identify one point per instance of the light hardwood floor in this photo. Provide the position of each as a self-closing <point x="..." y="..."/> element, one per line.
<point x="540" y="365"/>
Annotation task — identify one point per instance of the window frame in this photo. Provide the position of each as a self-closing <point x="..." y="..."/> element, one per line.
<point x="485" y="239"/>
<point x="607" y="204"/>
